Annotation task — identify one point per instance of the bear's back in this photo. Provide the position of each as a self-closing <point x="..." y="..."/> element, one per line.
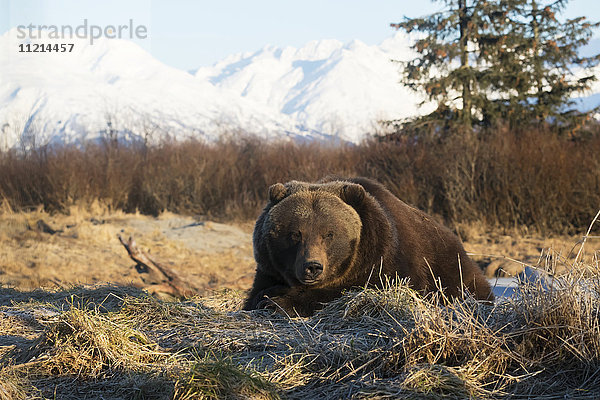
<point x="430" y="248"/>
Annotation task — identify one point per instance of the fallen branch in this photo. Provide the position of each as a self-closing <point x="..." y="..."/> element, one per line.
<point x="171" y="282"/>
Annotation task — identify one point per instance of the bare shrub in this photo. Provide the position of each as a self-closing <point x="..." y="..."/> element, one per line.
<point x="511" y="179"/>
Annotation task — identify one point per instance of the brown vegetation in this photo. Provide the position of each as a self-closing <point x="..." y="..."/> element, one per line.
<point x="85" y="250"/>
<point x="116" y="342"/>
<point x="507" y="179"/>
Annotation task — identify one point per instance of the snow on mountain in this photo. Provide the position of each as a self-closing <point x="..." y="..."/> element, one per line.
<point x="335" y="88"/>
<point x="324" y="90"/>
<point x="70" y="97"/>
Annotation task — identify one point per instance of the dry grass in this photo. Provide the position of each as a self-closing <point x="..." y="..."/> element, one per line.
<point x="117" y="342"/>
<point x="12" y="385"/>
<point x="86" y="343"/>
<point x="110" y="342"/>
<point x="222" y="378"/>
<point x="86" y="249"/>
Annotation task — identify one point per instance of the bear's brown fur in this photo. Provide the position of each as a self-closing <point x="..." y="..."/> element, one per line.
<point x="313" y="240"/>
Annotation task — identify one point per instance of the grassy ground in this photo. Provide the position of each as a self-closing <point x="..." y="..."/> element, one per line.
<point x="85" y="249"/>
<point x="114" y="341"/>
<point x="207" y="255"/>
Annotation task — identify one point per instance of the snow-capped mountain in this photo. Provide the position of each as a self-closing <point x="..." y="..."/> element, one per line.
<point x="71" y="97"/>
<point x="335" y="88"/>
<point x="324" y="90"/>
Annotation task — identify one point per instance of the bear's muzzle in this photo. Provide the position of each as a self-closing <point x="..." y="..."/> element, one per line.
<point x="312" y="270"/>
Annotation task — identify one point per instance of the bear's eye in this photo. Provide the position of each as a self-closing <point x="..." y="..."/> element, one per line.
<point x="296" y="236"/>
<point x="329" y="236"/>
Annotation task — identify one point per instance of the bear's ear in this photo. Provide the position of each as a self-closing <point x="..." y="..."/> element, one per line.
<point x="353" y="194"/>
<point x="277" y="192"/>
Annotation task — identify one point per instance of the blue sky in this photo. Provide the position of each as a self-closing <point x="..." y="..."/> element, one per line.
<point x="187" y="34"/>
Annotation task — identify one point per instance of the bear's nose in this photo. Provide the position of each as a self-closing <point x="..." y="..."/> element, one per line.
<point x="312" y="269"/>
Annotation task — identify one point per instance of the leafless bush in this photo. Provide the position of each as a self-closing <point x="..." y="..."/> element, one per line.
<point x="502" y="178"/>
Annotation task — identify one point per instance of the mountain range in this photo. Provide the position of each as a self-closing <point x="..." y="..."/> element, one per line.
<point x="324" y="90"/>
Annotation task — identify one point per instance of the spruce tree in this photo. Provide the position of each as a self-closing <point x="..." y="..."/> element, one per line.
<point x="443" y="70"/>
<point x="533" y="62"/>
<point x="513" y="61"/>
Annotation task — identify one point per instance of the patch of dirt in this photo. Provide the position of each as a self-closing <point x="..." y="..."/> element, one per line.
<point x="85" y="249"/>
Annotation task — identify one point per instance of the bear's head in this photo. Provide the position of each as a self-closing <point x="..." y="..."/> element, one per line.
<point x="312" y="231"/>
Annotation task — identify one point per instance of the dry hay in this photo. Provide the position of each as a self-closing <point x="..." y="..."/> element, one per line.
<point x="115" y="342"/>
<point x="388" y="343"/>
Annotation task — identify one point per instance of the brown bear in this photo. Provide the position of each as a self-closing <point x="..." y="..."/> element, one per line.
<point x="314" y="240"/>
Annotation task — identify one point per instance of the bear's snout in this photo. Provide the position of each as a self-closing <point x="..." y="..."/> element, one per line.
<point x="312" y="270"/>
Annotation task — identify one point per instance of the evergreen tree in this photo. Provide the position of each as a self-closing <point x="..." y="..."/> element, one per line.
<point x="484" y="61"/>
<point x="533" y="63"/>
<point x="443" y="69"/>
